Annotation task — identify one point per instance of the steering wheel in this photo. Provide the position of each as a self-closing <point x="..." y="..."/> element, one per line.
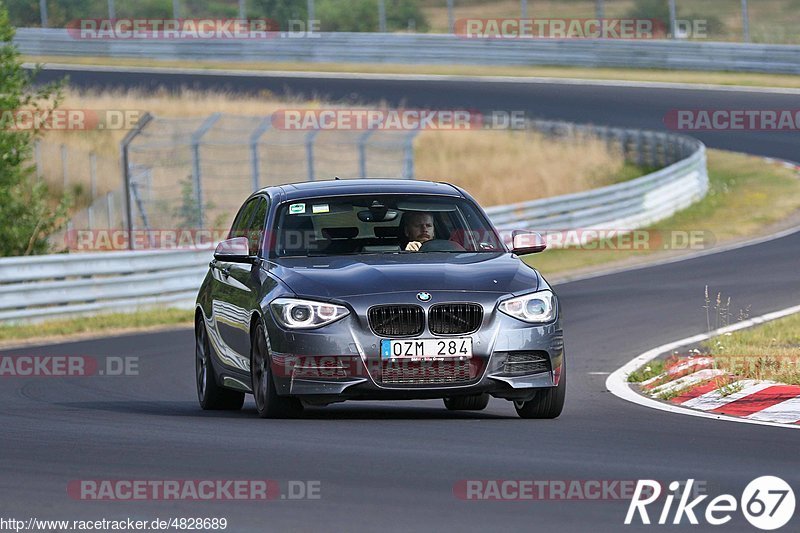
<point x="441" y="245"/>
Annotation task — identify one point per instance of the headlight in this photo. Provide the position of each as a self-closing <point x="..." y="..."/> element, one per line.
<point x="535" y="308"/>
<point x="294" y="313"/>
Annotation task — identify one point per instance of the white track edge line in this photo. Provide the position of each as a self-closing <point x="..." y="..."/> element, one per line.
<point x="617" y="383"/>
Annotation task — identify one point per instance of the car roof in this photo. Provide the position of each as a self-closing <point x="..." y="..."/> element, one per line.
<point x="311" y="189"/>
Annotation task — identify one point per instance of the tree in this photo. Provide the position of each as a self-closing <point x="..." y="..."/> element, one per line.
<point x="28" y="212"/>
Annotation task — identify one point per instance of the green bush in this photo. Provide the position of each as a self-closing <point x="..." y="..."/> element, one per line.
<point x="659" y="9"/>
<point x="335" y="15"/>
<point x="362" y="15"/>
<point x="28" y="212"/>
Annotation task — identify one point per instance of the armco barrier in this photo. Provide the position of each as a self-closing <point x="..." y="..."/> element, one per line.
<point x="62" y="285"/>
<point x="41" y="287"/>
<point x="421" y="48"/>
<point x="628" y="205"/>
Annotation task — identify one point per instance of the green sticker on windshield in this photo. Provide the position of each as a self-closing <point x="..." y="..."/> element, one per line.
<point x="297" y="209"/>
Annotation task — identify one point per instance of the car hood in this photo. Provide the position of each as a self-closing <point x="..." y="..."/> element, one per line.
<point x="341" y="276"/>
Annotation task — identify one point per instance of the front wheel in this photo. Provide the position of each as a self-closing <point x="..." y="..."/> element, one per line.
<point x="268" y="403"/>
<point x="548" y="403"/>
<point x="210" y="395"/>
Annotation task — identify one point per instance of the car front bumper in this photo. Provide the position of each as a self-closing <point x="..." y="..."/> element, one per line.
<point x="342" y="361"/>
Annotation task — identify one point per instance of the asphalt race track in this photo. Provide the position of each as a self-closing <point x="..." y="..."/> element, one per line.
<point x="393" y="466"/>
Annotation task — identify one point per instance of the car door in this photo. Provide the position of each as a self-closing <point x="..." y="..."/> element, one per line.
<point x="230" y="296"/>
<point x="244" y="283"/>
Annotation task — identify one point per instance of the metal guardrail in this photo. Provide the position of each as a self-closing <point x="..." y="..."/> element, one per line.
<point x="41" y="287"/>
<point x="62" y="285"/>
<point x="420" y="48"/>
<point x="628" y="205"/>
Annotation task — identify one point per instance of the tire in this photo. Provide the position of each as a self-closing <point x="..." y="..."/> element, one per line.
<point x="268" y="403"/>
<point x="475" y="402"/>
<point x="548" y="403"/>
<point x="211" y="396"/>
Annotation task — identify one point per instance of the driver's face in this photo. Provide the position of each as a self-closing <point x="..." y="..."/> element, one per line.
<point x="420" y="228"/>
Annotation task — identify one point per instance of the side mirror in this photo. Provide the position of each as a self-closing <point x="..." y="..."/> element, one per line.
<point x="236" y="250"/>
<point x="527" y="242"/>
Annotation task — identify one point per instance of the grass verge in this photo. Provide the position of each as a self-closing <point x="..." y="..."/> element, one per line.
<point x="754" y="193"/>
<point x="770" y="351"/>
<point x="105" y="323"/>
<point x="744" y="79"/>
<point x="650" y="370"/>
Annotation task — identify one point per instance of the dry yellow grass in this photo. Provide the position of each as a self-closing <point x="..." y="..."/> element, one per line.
<point x="771" y="21"/>
<point x="436" y="10"/>
<point x="501" y="167"/>
<point x="496" y="166"/>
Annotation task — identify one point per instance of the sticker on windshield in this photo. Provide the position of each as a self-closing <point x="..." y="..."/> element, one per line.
<point x="297" y="209"/>
<point x="320" y="208"/>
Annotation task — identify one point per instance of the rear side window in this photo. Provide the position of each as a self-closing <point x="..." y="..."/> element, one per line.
<point x="242" y="220"/>
<point x="255" y="229"/>
<point x="250" y="222"/>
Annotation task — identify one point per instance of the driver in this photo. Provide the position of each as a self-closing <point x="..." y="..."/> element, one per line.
<point x="417" y="228"/>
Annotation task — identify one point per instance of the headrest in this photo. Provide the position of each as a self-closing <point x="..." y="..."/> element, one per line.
<point x="339" y="233"/>
<point x="385" y="232"/>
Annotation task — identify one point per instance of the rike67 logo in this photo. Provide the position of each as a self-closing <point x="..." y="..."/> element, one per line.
<point x="767" y="503"/>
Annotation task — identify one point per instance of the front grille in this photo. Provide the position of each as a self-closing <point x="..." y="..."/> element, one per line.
<point x="425" y="372"/>
<point x="454" y="319"/>
<point x="396" y="320"/>
<point x="527" y="363"/>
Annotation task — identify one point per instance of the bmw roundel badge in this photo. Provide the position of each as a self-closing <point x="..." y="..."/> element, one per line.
<point x="423" y="296"/>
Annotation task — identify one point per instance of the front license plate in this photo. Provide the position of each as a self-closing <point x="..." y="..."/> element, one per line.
<point x="427" y="348"/>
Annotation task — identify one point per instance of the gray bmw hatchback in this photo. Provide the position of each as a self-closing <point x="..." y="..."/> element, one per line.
<point x="375" y="289"/>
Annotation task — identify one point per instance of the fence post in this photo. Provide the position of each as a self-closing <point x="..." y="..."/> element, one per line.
<point x="381" y="16"/>
<point x="112" y="10"/>
<point x="176" y="9"/>
<point x="362" y="152"/>
<point x="450" y="18"/>
<point x="745" y="22"/>
<point x="408" y="155"/>
<point x="37" y="151"/>
<point x="312" y="135"/>
<point x="126" y="171"/>
<point x="142" y="213"/>
<point x="197" y="136"/>
<point x="64" y="166"/>
<point x="639" y="152"/>
<point x="93" y="175"/>
<point x="242" y="10"/>
<point x="600" y="9"/>
<point x="673" y="15"/>
<point x="43" y="12"/>
<point x="523" y="9"/>
<point x="311" y="14"/>
<point x="262" y="127"/>
<point x="110" y="209"/>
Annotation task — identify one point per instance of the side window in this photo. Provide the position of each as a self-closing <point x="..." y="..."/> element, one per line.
<point x="242" y="220"/>
<point x="255" y="230"/>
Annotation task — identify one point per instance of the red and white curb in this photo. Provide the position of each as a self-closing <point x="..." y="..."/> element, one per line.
<point x="694" y="383"/>
<point x="753" y="402"/>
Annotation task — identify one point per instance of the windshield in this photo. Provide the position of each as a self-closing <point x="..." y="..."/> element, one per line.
<point x="376" y="224"/>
